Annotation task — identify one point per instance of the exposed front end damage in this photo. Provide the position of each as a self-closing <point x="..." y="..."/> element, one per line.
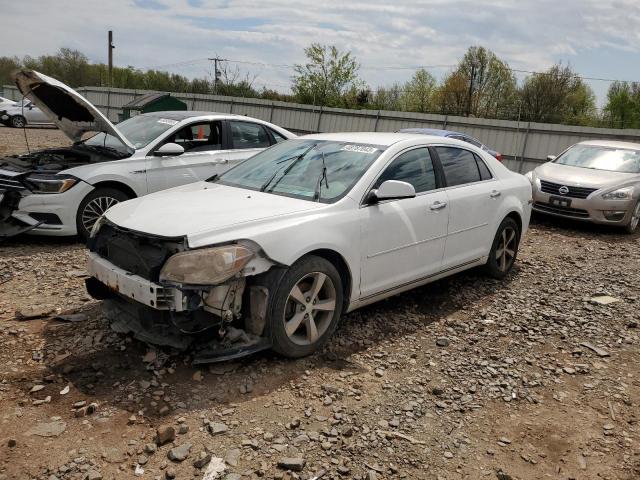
<point x="213" y="321"/>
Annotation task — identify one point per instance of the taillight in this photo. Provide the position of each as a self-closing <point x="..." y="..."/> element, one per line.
<point x="498" y="155"/>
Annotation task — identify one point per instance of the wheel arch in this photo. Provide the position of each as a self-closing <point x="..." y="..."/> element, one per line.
<point x="515" y="215"/>
<point x="123" y="187"/>
<point x="338" y="261"/>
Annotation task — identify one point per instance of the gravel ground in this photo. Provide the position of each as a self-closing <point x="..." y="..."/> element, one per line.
<point x="533" y="377"/>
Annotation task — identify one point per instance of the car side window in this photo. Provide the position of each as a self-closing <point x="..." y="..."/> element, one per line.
<point x="278" y="137"/>
<point x="198" y="137"/>
<point x="248" y="135"/>
<point x="459" y="166"/>
<point x="485" y="173"/>
<point x="414" y="167"/>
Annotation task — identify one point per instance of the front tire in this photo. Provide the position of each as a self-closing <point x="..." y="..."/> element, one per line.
<point x="18" y="121"/>
<point x="306" y="308"/>
<point x="632" y="226"/>
<point x="504" y="249"/>
<point x="94" y="205"/>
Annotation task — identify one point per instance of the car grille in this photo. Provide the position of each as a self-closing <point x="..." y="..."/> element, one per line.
<point x="565" y="211"/>
<point x="137" y="254"/>
<point x="574" y="192"/>
<point x="10" y="183"/>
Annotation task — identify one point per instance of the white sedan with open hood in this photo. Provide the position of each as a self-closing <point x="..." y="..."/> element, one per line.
<point x="272" y="252"/>
<point x="63" y="191"/>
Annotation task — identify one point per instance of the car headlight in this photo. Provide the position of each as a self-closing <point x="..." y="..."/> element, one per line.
<point x="207" y="266"/>
<point x="625" y="193"/>
<point x="535" y="181"/>
<point x="50" y="183"/>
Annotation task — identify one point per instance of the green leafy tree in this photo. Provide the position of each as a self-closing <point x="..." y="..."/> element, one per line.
<point x="482" y="85"/>
<point x="417" y="94"/>
<point x="557" y="96"/>
<point x="622" y="109"/>
<point x="327" y="76"/>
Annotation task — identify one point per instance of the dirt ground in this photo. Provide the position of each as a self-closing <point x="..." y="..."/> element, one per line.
<point x="468" y="378"/>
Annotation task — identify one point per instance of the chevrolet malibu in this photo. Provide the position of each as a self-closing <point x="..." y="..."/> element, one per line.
<point x="596" y="181"/>
<point x="63" y="191"/>
<point x="273" y="252"/>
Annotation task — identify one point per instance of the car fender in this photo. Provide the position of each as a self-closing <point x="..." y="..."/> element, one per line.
<point x="286" y="240"/>
<point x="130" y="172"/>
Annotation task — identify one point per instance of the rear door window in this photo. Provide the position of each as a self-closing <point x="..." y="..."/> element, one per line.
<point x="459" y="165"/>
<point x="248" y="135"/>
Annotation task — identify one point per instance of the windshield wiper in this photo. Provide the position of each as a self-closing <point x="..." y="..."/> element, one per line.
<point x="295" y="159"/>
<point x="101" y="148"/>
<point x="323" y="176"/>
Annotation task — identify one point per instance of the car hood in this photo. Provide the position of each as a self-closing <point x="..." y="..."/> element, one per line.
<point x="70" y="111"/>
<point x="582" y="177"/>
<point x="202" y="208"/>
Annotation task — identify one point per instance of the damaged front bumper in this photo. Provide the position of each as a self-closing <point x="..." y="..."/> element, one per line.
<point x="211" y="322"/>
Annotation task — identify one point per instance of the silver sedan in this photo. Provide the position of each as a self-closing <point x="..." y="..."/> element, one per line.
<point x="596" y="181"/>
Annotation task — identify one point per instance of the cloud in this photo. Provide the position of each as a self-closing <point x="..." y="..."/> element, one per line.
<point x="529" y="35"/>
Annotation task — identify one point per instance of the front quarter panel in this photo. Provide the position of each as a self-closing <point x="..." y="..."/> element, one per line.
<point x="129" y="171"/>
<point x="284" y="240"/>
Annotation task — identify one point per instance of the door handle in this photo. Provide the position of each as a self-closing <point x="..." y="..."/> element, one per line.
<point x="438" y="205"/>
<point x="495" y="194"/>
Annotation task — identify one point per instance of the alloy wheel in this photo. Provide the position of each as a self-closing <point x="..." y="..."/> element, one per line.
<point x="506" y="251"/>
<point x="94" y="210"/>
<point x="310" y="308"/>
<point x="18" y="122"/>
<point x="635" y="218"/>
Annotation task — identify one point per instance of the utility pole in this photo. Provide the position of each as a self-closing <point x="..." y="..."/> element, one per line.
<point x="216" y="72"/>
<point x="473" y="76"/>
<point x="110" y="48"/>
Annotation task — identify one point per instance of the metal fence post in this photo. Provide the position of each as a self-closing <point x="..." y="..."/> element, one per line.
<point x="273" y="107"/>
<point x="231" y="108"/>
<point x="375" y="127"/>
<point x="319" y="119"/>
<point x="524" y="147"/>
<point x="109" y="103"/>
<point x="444" y="123"/>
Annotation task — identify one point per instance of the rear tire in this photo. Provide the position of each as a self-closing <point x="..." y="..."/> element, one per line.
<point x="18" y="121"/>
<point x="632" y="226"/>
<point x="94" y="205"/>
<point x="504" y="249"/>
<point x="306" y="308"/>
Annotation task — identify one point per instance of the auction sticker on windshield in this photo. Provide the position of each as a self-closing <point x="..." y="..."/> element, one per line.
<point x="359" y="149"/>
<point x="167" y="121"/>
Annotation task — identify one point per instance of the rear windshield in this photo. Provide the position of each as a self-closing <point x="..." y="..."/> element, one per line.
<point x="601" y="158"/>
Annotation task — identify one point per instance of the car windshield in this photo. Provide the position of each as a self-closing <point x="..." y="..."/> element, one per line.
<point x="601" y="158"/>
<point x="308" y="169"/>
<point x="139" y="130"/>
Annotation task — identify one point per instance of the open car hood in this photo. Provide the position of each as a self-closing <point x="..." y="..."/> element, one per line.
<point x="70" y="111"/>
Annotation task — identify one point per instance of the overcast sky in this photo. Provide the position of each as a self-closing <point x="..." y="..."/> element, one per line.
<point x="598" y="38"/>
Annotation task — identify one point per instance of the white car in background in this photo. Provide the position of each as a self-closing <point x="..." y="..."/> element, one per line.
<point x="274" y="251"/>
<point x="63" y="191"/>
<point x="23" y="113"/>
<point x="5" y="102"/>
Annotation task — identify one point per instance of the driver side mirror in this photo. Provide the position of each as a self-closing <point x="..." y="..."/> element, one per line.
<point x="169" y="149"/>
<point x="392" y="190"/>
<point x="551" y="158"/>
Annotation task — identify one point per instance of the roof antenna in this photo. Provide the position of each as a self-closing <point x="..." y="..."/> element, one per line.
<point x="24" y="127"/>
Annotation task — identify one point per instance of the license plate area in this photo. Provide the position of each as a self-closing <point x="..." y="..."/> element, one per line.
<point x="560" y="202"/>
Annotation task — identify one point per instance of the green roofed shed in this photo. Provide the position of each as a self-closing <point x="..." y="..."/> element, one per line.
<point x="152" y="102"/>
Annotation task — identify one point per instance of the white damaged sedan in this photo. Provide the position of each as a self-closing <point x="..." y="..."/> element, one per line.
<point x="273" y="252"/>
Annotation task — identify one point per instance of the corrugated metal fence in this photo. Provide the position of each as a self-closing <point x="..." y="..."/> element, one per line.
<point x="524" y="144"/>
